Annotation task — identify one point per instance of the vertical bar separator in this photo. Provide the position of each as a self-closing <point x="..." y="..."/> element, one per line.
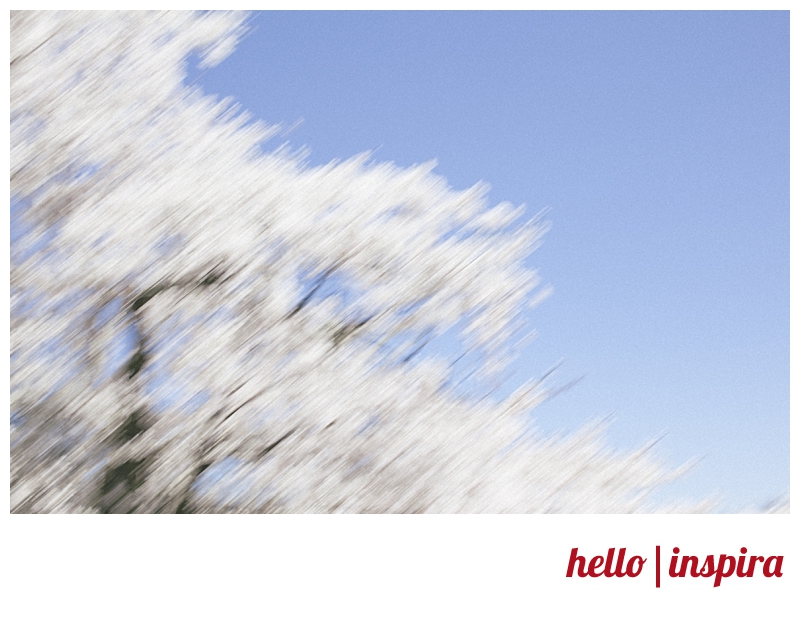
<point x="658" y="567"/>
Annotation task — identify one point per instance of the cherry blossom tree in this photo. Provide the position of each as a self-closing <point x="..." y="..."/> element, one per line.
<point x="200" y="323"/>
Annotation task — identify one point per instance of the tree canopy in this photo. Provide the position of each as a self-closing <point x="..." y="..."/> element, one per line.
<point x="201" y="323"/>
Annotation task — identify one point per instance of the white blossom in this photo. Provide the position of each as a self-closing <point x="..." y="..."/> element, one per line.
<point x="277" y="313"/>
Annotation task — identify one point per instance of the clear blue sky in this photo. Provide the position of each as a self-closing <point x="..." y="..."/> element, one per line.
<point x="659" y="142"/>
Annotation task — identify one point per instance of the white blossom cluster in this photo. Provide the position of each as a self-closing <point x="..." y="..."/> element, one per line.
<point x="276" y="314"/>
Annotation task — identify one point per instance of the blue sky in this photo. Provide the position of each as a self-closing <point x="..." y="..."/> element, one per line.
<point x="658" y="141"/>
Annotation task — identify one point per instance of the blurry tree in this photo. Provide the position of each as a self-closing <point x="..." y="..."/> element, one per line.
<point x="270" y="313"/>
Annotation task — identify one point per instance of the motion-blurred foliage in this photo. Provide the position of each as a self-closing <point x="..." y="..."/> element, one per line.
<point x="199" y="326"/>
